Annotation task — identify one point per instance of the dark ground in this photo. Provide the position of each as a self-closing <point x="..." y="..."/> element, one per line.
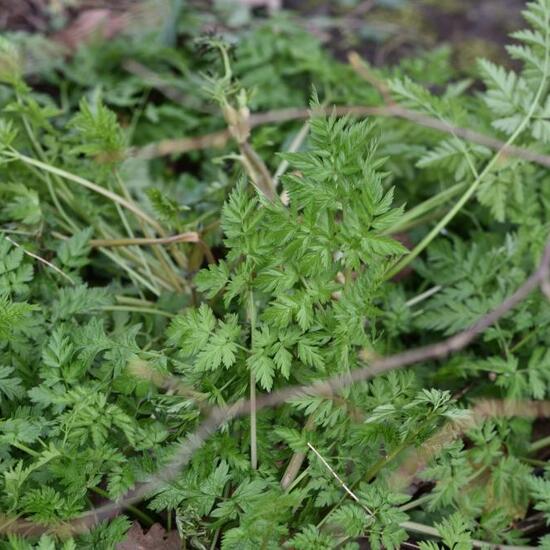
<point x="380" y="33"/>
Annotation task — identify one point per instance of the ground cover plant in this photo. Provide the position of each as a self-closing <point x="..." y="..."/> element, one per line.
<point x="201" y="213"/>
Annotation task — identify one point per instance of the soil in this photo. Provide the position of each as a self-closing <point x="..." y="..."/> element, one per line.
<point x="50" y="16"/>
<point x="427" y="22"/>
<point x="472" y="26"/>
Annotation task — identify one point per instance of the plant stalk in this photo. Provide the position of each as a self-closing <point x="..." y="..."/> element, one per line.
<point x="253" y="424"/>
<point x="404" y="262"/>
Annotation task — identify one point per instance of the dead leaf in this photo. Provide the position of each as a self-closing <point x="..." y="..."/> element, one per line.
<point x="155" y="539"/>
<point x="91" y="23"/>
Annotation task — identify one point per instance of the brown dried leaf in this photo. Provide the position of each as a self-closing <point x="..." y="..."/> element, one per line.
<point x="91" y="23"/>
<point x="155" y="539"/>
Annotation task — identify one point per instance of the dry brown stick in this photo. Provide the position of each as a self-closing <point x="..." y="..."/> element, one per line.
<point x="210" y="258"/>
<point x="490" y="142"/>
<point x="189" y="237"/>
<point x="215" y="140"/>
<point x="258" y="171"/>
<point x="362" y="70"/>
<point x="297" y="459"/>
<point x="221" y="415"/>
<point x="456" y="428"/>
<point x="224" y="414"/>
<point x="409" y="525"/>
<point x="238" y="126"/>
<point x="361" y="9"/>
<point x="220" y="139"/>
<point x="339" y="479"/>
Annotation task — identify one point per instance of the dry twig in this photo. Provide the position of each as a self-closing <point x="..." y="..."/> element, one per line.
<point x="223" y="414"/>
<point x="220" y="139"/>
<point x="189" y="237"/>
<point x="344" y="486"/>
<point x="413" y="526"/>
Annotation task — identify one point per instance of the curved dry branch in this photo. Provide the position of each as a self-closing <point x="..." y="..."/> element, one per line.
<point x="328" y="387"/>
<point x="221" y="415"/>
<point x="220" y="139"/>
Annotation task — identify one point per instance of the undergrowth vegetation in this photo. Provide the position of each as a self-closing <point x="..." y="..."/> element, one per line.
<point x="164" y="250"/>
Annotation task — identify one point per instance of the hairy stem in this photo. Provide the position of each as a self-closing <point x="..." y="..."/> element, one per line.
<point x="253" y="428"/>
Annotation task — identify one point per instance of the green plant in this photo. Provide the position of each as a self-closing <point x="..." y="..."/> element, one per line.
<point x="114" y="343"/>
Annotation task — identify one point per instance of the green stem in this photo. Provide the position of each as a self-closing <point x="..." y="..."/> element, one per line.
<point x="163" y="258"/>
<point x="416" y="503"/>
<point x="534" y="462"/>
<point x="121" y="299"/>
<point x="375" y="469"/>
<point x="215" y="538"/>
<point x="253" y="427"/>
<point x="88" y="185"/>
<point x="139" y="252"/>
<point x="524" y="340"/>
<point x="26" y="449"/>
<point x="421" y="220"/>
<point x="404" y="262"/>
<point x="297" y="480"/>
<point x="425" y="207"/>
<point x="540" y="444"/>
<point x="40" y="152"/>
